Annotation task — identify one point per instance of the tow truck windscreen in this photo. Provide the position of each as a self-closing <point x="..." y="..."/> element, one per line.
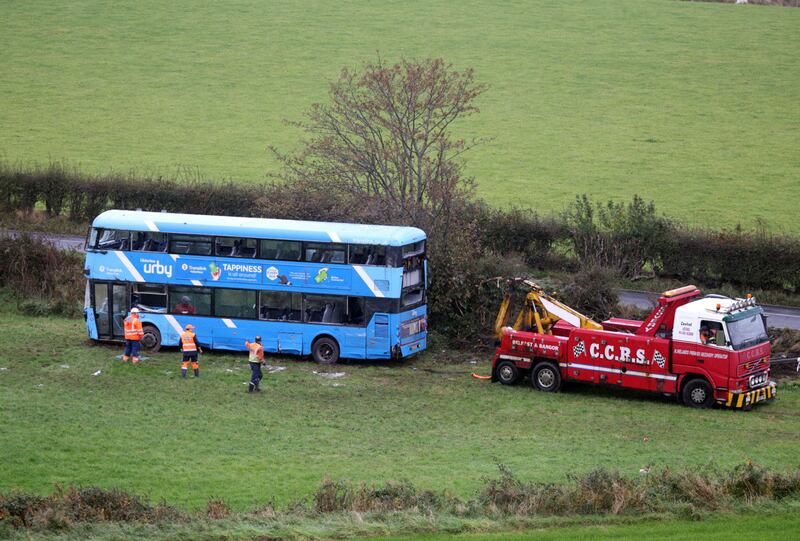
<point x="746" y="329"/>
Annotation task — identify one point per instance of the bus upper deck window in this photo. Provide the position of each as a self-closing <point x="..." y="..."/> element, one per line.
<point x="318" y="252"/>
<point x="233" y="247"/>
<point x="190" y="244"/>
<point x="416" y="248"/>
<point x="365" y="254"/>
<point x="148" y="241"/>
<point x="285" y="250"/>
<point x="113" y="239"/>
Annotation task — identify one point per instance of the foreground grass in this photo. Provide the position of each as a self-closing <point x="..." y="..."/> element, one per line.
<point x="690" y="104"/>
<point x="761" y="522"/>
<point x="187" y="441"/>
<point x="723" y="528"/>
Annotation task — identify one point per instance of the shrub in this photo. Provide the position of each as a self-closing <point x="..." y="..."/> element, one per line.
<point x="47" y="280"/>
<point x="592" y="291"/>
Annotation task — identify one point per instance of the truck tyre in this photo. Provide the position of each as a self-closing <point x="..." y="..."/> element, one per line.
<point x="546" y="377"/>
<point x="507" y="373"/>
<point x="325" y="350"/>
<point x="151" y="341"/>
<point x="697" y="393"/>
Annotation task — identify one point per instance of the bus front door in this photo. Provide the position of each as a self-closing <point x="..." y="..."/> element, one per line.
<point x="110" y="303"/>
<point x="378" y="341"/>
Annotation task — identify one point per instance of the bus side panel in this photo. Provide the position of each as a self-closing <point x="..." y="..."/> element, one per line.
<point x="414" y="343"/>
<point x="379" y="339"/>
<point x="167" y="325"/>
<point x="91" y="323"/>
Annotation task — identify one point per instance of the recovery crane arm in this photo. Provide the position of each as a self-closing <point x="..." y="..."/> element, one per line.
<point x="540" y="311"/>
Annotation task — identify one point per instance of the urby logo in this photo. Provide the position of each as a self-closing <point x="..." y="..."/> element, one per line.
<point x="272" y="273"/>
<point x="322" y="275"/>
<point x="158" y="268"/>
<point x="216" y="272"/>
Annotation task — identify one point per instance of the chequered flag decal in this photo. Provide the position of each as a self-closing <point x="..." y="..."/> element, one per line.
<point x="578" y="349"/>
<point x="659" y="359"/>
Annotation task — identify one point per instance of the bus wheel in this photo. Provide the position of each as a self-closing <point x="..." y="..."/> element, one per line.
<point x="325" y="350"/>
<point x="697" y="393"/>
<point x="507" y="373"/>
<point x="546" y="377"/>
<point x="151" y="341"/>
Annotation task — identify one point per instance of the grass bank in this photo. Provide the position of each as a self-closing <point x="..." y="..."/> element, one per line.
<point x="688" y="104"/>
<point x="189" y="441"/>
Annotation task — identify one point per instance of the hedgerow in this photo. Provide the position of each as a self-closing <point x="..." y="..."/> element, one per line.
<point x="599" y="492"/>
<point x="471" y="243"/>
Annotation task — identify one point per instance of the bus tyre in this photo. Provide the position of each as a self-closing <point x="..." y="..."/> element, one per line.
<point x="546" y="377"/>
<point x="325" y="350"/>
<point x="151" y="341"/>
<point x="697" y="393"/>
<point x="507" y="373"/>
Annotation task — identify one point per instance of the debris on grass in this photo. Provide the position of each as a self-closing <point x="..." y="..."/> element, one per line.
<point x="330" y="375"/>
<point x="64" y="366"/>
<point x="97" y="373"/>
<point x="273" y="369"/>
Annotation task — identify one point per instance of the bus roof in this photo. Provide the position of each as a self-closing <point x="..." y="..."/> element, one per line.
<point x="267" y="228"/>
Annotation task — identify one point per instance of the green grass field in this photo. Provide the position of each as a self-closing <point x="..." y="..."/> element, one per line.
<point x="771" y="527"/>
<point x="693" y="105"/>
<point x="144" y="429"/>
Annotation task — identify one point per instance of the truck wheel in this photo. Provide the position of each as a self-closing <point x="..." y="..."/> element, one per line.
<point x="546" y="377"/>
<point x="151" y="341"/>
<point x="325" y="350"/>
<point x="507" y="373"/>
<point x="697" y="393"/>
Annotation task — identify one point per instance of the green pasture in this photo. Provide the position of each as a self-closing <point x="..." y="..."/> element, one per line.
<point x="146" y="430"/>
<point x="693" y="105"/>
<point x="775" y="527"/>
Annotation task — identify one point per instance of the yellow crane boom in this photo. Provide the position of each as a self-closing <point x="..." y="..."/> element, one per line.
<point x="539" y="312"/>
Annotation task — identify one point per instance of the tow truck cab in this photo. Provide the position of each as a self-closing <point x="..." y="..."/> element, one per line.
<point x="724" y="340"/>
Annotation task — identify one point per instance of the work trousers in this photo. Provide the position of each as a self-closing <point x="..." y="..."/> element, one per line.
<point x="255" y="373"/>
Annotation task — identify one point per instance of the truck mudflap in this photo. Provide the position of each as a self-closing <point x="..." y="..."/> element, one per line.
<point x="746" y="399"/>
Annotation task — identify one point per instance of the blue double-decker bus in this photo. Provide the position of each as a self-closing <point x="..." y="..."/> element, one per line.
<point x="328" y="290"/>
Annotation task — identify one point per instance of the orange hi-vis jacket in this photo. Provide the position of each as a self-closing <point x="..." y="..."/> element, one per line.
<point x="256" y="351"/>
<point x="133" y="328"/>
<point x="187" y="342"/>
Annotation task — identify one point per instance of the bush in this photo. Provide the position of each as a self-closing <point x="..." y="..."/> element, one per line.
<point x="45" y="279"/>
<point x="592" y="290"/>
<point x="64" y="508"/>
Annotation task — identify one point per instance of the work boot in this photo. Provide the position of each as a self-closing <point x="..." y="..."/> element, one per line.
<point x="183" y="373"/>
<point x="197" y="372"/>
<point x="258" y="386"/>
<point x="250" y="387"/>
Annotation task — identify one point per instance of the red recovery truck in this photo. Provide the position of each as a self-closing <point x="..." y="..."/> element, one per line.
<point x="700" y="349"/>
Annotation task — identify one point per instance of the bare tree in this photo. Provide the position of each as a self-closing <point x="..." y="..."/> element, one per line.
<point x="385" y="135"/>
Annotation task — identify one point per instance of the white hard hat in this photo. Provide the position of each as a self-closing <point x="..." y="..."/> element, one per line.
<point x="134" y="310"/>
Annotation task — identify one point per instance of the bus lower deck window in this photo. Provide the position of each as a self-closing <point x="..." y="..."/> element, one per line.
<point x="149" y="297"/>
<point x="280" y="306"/>
<point x="190" y="301"/>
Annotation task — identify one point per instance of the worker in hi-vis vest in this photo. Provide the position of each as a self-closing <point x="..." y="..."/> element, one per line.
<point x="133" y="333"/>
<point x="256" y="358"/>
<point x="190" y="349"/>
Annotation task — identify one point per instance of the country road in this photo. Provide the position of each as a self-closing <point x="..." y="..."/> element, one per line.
<point x="777" y="316"/>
